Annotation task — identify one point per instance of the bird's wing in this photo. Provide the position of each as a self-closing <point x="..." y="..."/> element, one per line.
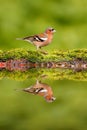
<point x="33" y="90"/>
<point x="40" y="38"/>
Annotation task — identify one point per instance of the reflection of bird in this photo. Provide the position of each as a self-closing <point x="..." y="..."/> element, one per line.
<point x="42" y="90"/>
<point x="40" y="40"/>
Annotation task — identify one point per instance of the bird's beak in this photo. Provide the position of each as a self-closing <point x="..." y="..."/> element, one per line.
<point x="53" y="98"/>
<point x="54" y="31"/>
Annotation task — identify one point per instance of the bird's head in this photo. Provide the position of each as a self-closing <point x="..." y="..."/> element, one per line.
<point x="50" y="98"/>
<point x="50" y="30"/>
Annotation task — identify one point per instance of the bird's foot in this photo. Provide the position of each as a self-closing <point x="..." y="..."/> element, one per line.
<point x="44" y="52"/>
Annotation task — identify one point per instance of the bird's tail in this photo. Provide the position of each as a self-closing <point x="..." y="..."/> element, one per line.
<point x="19" y="38"/>
<point x="29" y="90"/>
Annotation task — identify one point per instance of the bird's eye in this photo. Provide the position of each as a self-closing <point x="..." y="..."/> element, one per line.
<point x="52" y="29"/>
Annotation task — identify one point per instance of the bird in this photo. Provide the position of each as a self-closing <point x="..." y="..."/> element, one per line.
<point x="41" y="89"/>
<point x="42" y="39"/>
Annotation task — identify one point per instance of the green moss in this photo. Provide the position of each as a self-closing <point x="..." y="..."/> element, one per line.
<point x="37" y="56"/>
<point x="56" y="74"/>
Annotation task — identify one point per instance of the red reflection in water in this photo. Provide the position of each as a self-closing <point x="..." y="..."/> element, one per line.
<point x="76" y="64"/>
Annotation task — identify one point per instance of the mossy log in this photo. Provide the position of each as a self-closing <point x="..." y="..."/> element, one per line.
<point x="40" y="57"/>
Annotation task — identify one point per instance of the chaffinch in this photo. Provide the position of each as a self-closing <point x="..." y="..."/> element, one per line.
<point x="42" y="90"/>
<point x="40" y="40"/>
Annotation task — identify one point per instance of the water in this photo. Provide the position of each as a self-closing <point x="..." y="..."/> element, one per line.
<point x="20" y="110"/>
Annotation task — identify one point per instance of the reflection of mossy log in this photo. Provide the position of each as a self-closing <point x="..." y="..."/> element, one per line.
<point x="54" y="56"/>
<point x="56" y="74"/>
